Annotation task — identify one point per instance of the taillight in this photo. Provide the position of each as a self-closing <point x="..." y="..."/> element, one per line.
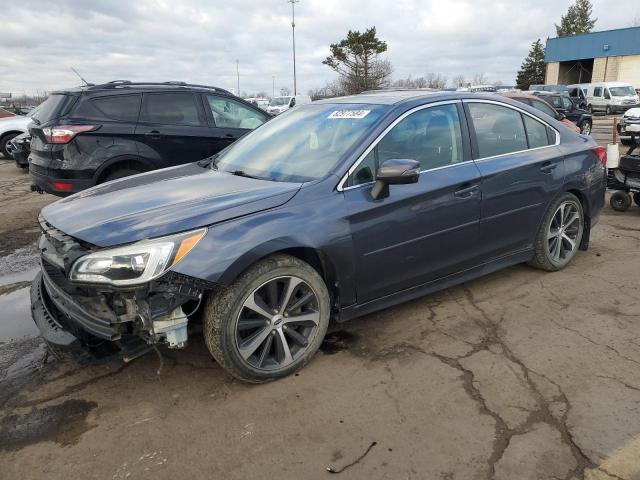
<point x="601" y="153"/>
<point x="65" y="133"/>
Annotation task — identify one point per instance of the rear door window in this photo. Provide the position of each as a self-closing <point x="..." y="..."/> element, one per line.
<point x="124" y="108"/>
<point x="536" y="132"/>
<point x="499" y="130"/>
<point x="597" y="92"/>
<point x="228" y="113"/>
<point x="170" y="109"/>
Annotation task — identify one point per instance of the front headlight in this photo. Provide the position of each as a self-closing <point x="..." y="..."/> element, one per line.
<point x="136" y="263"/>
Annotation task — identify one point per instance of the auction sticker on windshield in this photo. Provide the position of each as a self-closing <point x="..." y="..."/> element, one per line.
<point x="351" y="114"/>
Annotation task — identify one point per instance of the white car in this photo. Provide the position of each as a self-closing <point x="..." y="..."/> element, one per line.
<point x="11" y="127"/>
<point x="282" y="104"/>
<point x="630" y="123"/>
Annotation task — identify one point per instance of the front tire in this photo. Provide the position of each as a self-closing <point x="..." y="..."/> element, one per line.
<point x="4" y="141"/>
<point x="560" y="234"/>
<point x="270" y="322"/>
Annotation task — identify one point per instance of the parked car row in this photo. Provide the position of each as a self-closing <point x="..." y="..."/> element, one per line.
<point x="333" y="210"/>
<point x="606" y="97"/>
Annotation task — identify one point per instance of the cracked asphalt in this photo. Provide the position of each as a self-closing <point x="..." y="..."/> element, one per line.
<point x="518" y="375"/>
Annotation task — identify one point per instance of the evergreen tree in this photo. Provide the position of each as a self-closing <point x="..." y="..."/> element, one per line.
<point x="356" y="59"/>
<point x="533" y="68"/>
<point x="577" y="19"/>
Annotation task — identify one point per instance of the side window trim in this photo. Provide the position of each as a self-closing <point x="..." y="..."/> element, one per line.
<point x="343" y="184"/>
<point x="472" y="132"/>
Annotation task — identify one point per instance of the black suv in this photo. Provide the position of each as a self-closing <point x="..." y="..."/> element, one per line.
<point x="89" y="135"/>
<point x="569" y="108"/>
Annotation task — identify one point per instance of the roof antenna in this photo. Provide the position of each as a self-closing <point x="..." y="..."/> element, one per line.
<point x="76" y="72"/>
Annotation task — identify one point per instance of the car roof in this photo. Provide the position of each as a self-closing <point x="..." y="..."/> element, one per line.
<point x="120" y="86"/>
<point x="394" y="97"/>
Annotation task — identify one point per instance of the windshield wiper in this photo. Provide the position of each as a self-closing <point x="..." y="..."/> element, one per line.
<point x="242" y="173"/>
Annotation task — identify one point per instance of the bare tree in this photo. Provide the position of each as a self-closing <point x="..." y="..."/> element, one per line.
<point x="479" y="79"/>
<point x="459" y="81"/>
<point x="436" y="80"/>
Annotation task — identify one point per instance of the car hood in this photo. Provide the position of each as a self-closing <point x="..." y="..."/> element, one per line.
<point x="161" y="203"/>
<point x="632" y="112"/>
<point x="14" y="123"/>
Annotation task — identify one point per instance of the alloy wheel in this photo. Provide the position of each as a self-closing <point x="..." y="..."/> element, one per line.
<point x="586" y="128"/>
<point x="277" y="322"/>
<point x="563" y="232"/>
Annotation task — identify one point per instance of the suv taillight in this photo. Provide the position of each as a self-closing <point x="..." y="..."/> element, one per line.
<point x="601" y="153"/>
<point x="65" y="133"/>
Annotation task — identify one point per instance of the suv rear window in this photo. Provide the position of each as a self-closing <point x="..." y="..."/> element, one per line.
<point x="53" y="107"/>
<point x="170" y="109"/>
<point x="123" y="108"/>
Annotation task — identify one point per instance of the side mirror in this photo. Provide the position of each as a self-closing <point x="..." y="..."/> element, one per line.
<point x="401" y="171"/>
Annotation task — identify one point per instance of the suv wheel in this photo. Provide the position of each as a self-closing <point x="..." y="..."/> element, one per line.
<point x="590" y="108"/>
<point x="4" y="141"/>
<point x="270" y="321"/>
<point x="585" y="127"/>
<point x="560" y="234"/>
<point x="607" y="111"/>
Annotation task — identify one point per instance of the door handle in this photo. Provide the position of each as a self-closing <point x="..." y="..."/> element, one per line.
<point x="548" y="167"/>
<point x="466" y="190"/>
<point x="154" y="135"/>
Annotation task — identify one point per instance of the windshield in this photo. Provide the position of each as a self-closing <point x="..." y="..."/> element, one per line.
<point x="279" y="101"/>
<point x="622" y="91"/>
<point x="300" y="145"/>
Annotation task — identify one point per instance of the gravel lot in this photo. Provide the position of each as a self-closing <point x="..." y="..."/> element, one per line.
<point x="518" y="375"/>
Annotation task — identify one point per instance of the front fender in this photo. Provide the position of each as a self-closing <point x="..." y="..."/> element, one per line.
<point x="231" y="247"/>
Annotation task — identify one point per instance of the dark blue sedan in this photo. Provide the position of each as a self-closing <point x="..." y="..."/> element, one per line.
<point x="332" y="210"/>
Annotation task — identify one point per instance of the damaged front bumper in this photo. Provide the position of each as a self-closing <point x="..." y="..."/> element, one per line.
<point x="93" y="323"/>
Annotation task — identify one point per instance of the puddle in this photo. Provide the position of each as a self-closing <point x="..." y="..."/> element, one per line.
<point x="15" y="316"/>
<point x="337" y="341"/>
<point x="63" y="423"/>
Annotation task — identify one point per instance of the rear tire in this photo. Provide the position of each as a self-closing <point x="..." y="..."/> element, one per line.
<point x="270" y="321"/>
<point x="4" y="141"/>
<point x="607" y="110"/>
<point x="590" y="108"/>
<point x="560" y="234"/>
<point x="620" y="201"/>
<point x="636" y="198"/>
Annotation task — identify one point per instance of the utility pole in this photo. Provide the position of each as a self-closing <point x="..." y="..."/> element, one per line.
<point x="293" y="30"/>
<point x="273" y="87"/>
<point x="238" y="74"/>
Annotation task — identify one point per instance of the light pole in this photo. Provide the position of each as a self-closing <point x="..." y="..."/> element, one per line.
<point x="293" y="30"/>
<point x="238" y="74"/>
<point x="273" y="86"/>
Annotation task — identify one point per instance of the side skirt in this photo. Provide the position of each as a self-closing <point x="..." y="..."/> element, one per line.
<point x="358" y="310"/>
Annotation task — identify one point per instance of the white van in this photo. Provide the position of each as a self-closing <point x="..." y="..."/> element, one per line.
<point x="277" y="105"/>
<point x="611" y="97"/>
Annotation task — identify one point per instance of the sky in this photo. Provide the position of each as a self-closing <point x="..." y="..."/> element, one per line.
<point x="199" y="41"/>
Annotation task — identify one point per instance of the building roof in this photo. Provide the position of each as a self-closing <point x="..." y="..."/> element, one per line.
<point x="608" y="43"/>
